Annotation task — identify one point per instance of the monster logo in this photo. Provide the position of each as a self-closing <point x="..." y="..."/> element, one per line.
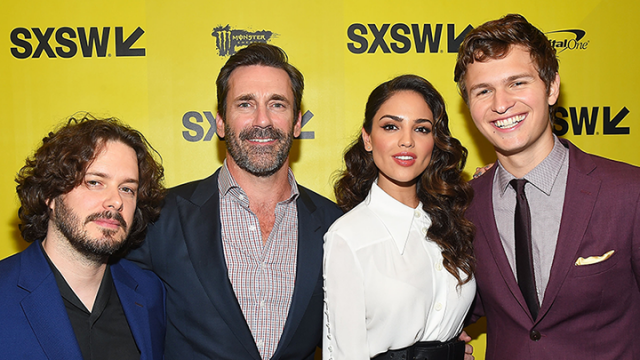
<point x="228" y="40"/>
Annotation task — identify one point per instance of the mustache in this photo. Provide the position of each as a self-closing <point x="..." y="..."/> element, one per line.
<point x="107" y="215"/>
<point x="258" y="132"/>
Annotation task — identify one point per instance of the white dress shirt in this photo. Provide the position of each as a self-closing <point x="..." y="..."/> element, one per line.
<point x="385" y="285"/>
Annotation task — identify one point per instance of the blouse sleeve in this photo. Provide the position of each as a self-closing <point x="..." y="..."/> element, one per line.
<point x="345" y="328"/>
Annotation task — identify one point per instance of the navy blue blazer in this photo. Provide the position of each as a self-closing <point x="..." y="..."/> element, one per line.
<point x="184" y="248"/>
<point x="33" y="320"/>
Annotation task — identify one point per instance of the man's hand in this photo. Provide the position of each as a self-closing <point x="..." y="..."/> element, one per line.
<point x="482" y="170"/>
<point x="468" y="349"/>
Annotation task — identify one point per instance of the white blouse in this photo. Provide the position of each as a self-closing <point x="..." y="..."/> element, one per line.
<point x="385" y="285"/>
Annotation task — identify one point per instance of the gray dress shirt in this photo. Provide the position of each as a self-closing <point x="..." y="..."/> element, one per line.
<point x="545" y="194"/>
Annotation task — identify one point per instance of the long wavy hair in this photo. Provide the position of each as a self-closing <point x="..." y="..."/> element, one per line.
<point x="60" y="164"/>
<point x="445" y="195"/>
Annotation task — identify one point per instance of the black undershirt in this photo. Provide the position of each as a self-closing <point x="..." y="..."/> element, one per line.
<point x="103" y="333"/>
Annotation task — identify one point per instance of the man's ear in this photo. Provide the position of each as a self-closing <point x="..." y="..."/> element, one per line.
<point x="554" y="90"/>
<point x="219" y="126"/>
<point x="297" y="127"/>
<point x="51" y="203"/>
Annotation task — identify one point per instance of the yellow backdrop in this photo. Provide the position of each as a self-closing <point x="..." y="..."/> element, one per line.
<point x="153" y="64"/>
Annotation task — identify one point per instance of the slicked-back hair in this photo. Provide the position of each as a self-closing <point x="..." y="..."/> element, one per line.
<point x="495" y="39"/>
<point x="444" y="194"/>
<point x="61" y="162"/>
<point x="259" y="54"/>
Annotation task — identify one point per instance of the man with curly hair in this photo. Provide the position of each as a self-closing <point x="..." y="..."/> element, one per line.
<point x="87" y="195"/>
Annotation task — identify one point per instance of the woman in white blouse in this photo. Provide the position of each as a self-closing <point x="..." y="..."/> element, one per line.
<point x="399" y="265"/>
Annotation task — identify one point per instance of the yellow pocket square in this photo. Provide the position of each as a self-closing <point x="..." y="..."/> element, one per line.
<point x="594" y="259"/>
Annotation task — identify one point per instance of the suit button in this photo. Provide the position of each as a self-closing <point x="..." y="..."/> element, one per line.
<point x="535" y="335"/>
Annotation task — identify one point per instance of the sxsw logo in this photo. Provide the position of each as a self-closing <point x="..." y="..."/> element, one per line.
<point x="229" y="40"/>
<point x="195" y="132"/>
<point x="34" y="42"/>
<point x="401" y="38"/>
<point x="585" y="119"/>
<point x="569" y="39"/>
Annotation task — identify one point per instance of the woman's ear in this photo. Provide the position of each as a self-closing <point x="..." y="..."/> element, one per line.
<point x="366" y="138"/>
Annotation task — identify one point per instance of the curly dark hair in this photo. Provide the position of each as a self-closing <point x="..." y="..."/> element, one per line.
<point x="60" y="164"/>
<point x="494" y="39"/>
<point x="445" y="195"/>
<point x="259" y="54"/>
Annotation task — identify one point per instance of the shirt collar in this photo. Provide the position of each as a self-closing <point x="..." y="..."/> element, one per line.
<point x="227" y="185"/>
<point x="396" y="217"/>
<point x="542" y="176"/>
<point x="102" y="297"/>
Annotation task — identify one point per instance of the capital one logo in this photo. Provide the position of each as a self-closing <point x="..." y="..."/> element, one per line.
<point x="570" y="39"/>
<point x="229" y="40"/>
<point x="64" y="42"/>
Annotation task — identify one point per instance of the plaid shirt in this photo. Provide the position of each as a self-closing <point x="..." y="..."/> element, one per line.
<point x="262" y="276"/>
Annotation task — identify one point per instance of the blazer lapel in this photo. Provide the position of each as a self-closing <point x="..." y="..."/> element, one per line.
<point x="487" y="229"/>
<point x="135" y="310"/>
<point x="200" y="219"/>
<point x="44" y="308"/>
<point x="579" y="201"/>
<point x="308" y="268"/>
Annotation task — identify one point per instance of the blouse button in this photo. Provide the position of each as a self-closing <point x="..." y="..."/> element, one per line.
<point x="424" y="231"/>
<point x="439" y="266"/>
<point x="438" y="306"/>
<point x="416" y="214"/>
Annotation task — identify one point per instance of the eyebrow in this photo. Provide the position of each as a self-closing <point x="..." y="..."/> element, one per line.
<point x="245" y="97"/>
<point x="400" y="119"/>
<point x="279" y="97"/>
<point x="103" y="175"/>
<point x="504" y="81"/>
<point x="276" y="97"/>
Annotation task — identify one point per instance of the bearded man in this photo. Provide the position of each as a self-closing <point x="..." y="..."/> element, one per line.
<point x="240" y="252"/>
<point x="86" y="195"/>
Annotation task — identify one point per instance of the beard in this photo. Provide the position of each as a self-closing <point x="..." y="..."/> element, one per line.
<point x="259" y="160"/>
<point x="95" y="249"/>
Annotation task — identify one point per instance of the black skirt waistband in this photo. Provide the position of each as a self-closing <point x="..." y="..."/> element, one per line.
<point x="427" y="350"/>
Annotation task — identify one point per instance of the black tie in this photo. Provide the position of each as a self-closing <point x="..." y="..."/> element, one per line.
<point x="524" y="257"/>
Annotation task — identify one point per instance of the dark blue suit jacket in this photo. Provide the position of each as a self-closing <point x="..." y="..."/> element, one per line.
<point x="184" y="248"/>
<point x="33" y="320"/>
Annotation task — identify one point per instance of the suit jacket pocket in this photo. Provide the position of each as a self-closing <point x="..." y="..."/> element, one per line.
<point x="599" y="266"/>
